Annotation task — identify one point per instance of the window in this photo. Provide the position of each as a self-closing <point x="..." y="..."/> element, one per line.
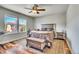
<point x="22" y="25"/>
<point x="10" y="24"/>
<point x="13" y="24"/>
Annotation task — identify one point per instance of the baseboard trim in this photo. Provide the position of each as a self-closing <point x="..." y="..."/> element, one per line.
<point x="69" y="45"/>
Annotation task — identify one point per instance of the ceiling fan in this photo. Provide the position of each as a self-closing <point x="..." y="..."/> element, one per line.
<point x="35" y="9"/>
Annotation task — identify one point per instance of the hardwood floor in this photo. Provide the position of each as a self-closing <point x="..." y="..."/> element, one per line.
<point x="59" y="46"/>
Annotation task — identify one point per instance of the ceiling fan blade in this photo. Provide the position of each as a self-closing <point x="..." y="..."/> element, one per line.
<point x="28" y="8"/>
<point x="30" y="11"/>
<point x="40" y="9"/>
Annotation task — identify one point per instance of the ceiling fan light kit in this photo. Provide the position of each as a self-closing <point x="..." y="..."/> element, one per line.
<point x="34" y="11"/>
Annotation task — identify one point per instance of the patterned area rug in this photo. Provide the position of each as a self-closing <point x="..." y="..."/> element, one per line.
<point x="34" y="51"/>
<point x="11" y="48"/>
<point x="28" y="51"/>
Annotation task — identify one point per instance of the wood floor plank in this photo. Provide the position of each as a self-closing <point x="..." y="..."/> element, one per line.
<point x="58" y="47"/>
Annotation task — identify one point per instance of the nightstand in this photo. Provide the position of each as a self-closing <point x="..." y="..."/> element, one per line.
<point x="60" y="35"/>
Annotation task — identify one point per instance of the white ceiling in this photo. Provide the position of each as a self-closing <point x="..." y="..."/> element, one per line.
<point x="50" y="9"/>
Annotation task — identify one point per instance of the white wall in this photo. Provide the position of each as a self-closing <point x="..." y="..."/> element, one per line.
<point x="73" y="27"/>
<point x="58" y="19"/>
